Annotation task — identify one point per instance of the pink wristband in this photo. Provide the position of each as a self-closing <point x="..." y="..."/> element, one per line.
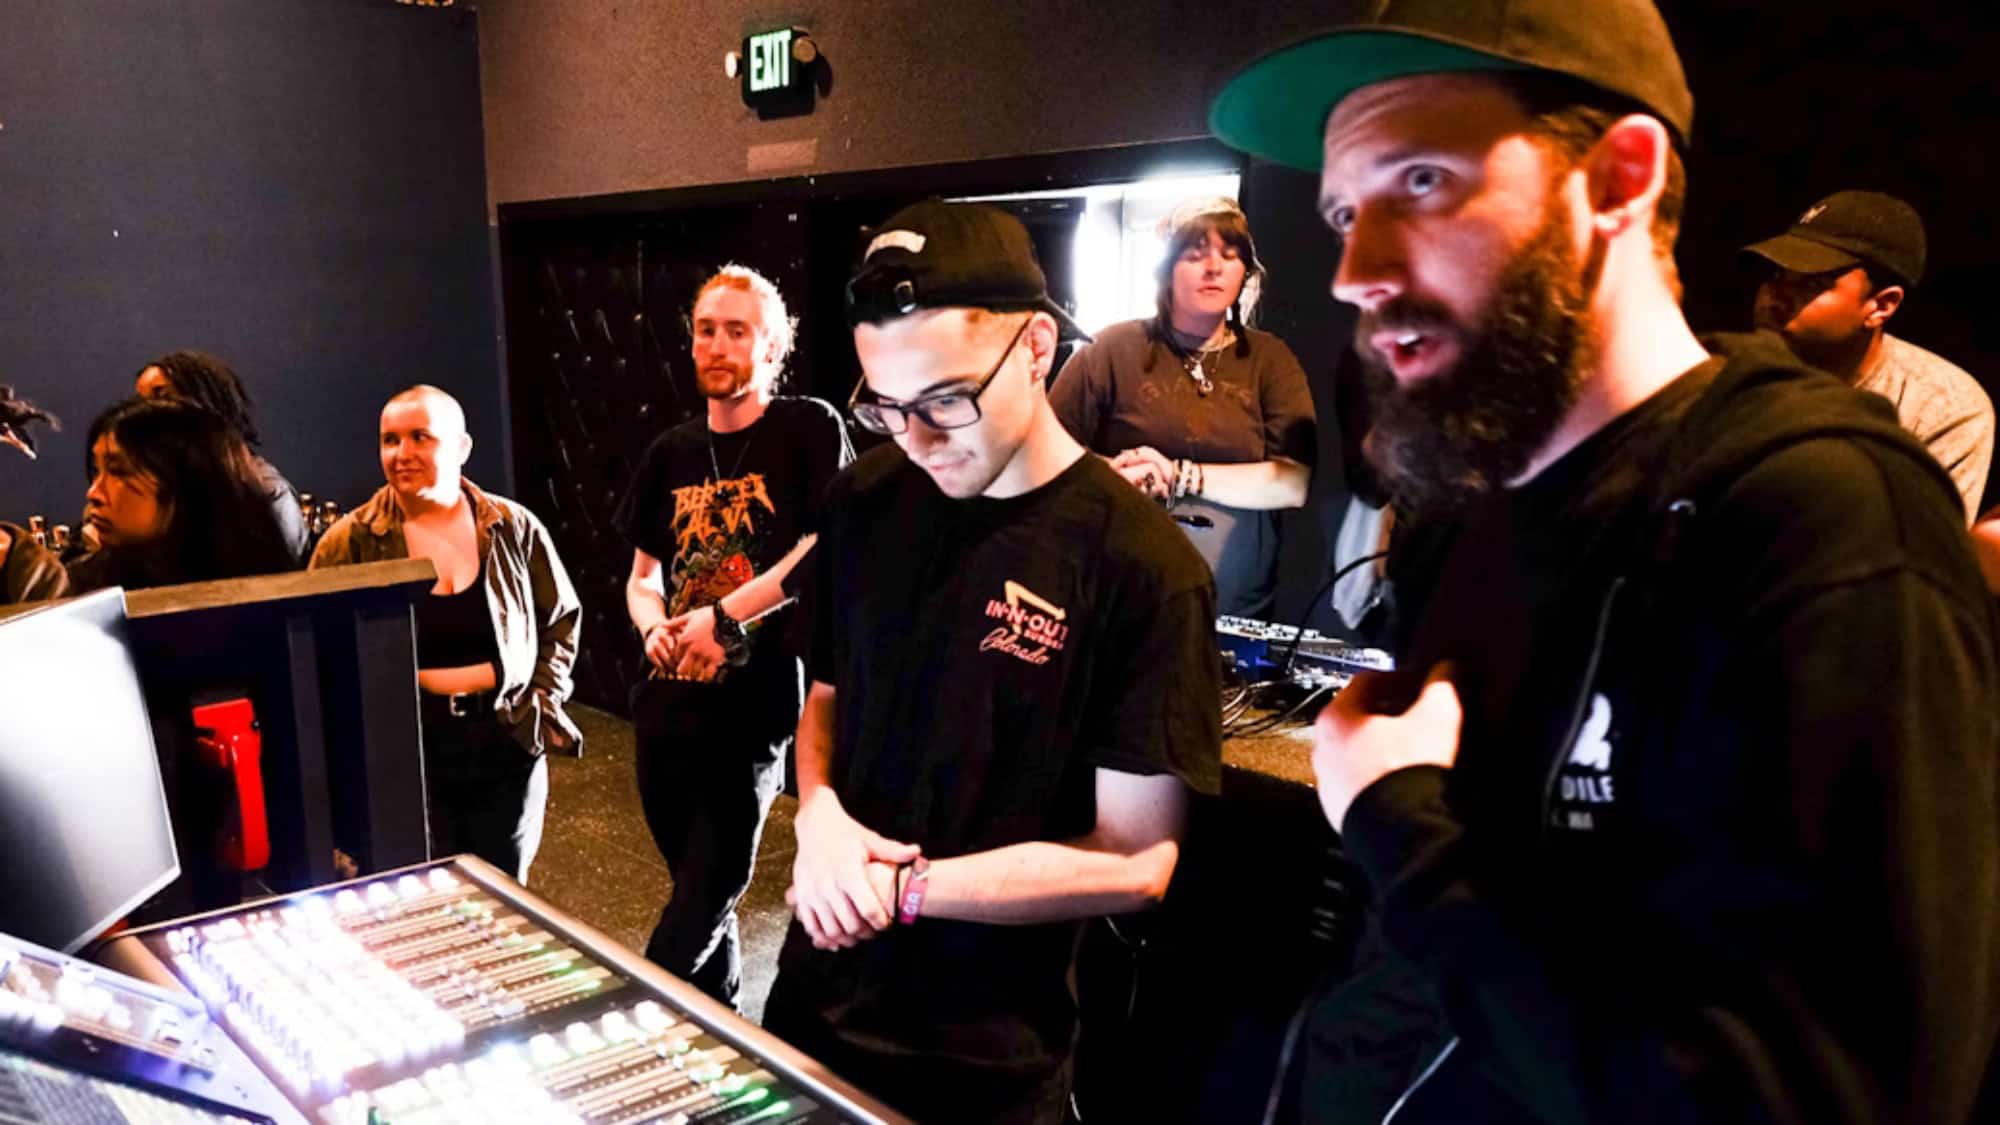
<point x="912" y="903"/>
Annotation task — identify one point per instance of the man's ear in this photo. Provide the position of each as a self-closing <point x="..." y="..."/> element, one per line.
<point x="1041" y="340"/>
<point x="1886" y="300"/>
<point x="1626" y="170"/>
<point x="464" y="448"/>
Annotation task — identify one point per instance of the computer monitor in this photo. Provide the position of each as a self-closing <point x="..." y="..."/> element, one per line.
<point x="84" y="832"/>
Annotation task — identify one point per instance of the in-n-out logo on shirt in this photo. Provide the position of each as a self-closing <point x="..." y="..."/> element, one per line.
<point x="1034" y="625"/>
<point x="1585" y="786"/>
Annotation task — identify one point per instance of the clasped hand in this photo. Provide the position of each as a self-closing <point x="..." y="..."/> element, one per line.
<point x="1149" y="470"/>
<point x="844" y="880"/>
<point x="686" y="647"/>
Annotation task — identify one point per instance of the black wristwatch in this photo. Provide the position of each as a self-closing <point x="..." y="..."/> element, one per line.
<point x="730" y="635"/>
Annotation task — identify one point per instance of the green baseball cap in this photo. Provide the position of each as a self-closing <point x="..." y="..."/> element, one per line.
<point x="1276" y="107"/>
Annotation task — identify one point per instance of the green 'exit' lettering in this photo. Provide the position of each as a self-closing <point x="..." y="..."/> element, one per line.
<point x="770" y="60"/>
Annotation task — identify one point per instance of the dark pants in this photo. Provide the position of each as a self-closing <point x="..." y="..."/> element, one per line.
<point x="705" y="800"/>
<point x="484" y="793"/>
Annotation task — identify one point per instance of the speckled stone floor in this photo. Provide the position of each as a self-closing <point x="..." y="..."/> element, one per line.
<point x="598" y="861"/>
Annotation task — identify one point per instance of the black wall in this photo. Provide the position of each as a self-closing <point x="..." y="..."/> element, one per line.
<point x="1796" y="101"/>
<point x="297" y="186"/>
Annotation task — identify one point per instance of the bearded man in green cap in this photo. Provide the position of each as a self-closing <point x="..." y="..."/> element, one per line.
<point x="1686" y="805"/>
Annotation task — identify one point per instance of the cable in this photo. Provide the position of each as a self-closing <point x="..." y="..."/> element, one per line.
<point x="1270" y="723"/>
<point x="1299" y="631"/>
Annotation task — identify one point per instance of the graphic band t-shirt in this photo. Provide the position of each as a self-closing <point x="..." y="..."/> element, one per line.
<point x="716" y="515"/>
<point x="988" y="657"/>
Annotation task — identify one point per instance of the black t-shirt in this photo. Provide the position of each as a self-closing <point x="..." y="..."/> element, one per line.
<point x="718" y="514"/>
<point x="988" y="657"/>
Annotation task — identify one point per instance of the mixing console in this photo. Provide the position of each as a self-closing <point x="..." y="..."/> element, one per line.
<point x="1256" y="650"/>
<point x="446" y="994"/>
<point x="79" y="1043"/>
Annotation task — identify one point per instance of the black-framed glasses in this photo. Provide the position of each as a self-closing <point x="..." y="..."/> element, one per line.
<point x="950" y="410"/>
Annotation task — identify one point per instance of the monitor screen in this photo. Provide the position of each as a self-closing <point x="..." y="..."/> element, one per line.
<point x="84" y="831"/>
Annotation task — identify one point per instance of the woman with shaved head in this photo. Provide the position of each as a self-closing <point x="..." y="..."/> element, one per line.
<point x="495" y="638"/>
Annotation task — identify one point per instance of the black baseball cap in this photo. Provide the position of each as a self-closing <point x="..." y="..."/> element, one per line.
<point x="1848" y="229"/>
<point x="1276" y="107"/>
<point x="938" y="255"/>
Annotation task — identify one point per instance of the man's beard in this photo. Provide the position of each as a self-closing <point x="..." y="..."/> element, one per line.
<point x="1462" y="432"/>
<point x="723" y="382"/>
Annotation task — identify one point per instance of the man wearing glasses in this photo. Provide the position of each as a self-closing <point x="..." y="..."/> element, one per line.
<point x="1014" y="688"/>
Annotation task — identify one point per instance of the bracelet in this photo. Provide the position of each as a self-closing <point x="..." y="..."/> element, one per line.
<point x="1200" y="480"/>
<point x="911" y="901"/>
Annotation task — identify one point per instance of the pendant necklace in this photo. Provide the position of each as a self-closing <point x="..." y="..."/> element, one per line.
<point x="1195" y="360"/>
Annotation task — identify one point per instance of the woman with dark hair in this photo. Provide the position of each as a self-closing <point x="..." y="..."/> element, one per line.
<point x="1199" y="410"/>
<point x="29" y="572"/>
<point x="214" y="386"/>
<point x="175" y="496"/>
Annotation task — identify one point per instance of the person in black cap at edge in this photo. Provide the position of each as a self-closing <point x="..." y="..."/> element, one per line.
<point x="1836" y="277"/>
<point x="1015" y="687"/>
<point x="1683" y="806"/>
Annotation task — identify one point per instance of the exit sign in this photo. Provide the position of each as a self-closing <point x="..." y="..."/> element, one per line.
<point x="776" y="69"/>
<point x="769" y="55"/>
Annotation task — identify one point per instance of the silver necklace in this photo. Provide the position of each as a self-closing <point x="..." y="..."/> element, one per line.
<point x="1196" y="360"/>
<point x="709" y="432"/>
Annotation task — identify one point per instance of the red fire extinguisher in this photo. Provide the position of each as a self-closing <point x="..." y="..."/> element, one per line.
<point x="227" y="739"/>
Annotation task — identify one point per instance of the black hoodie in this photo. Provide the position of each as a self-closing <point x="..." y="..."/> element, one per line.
<point x="1722" y="842"/>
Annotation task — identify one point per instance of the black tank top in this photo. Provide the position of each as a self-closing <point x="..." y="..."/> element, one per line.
<point x="456" y="630"/>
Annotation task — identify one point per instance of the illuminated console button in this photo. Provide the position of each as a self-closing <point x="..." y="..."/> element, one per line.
<point x="97" y="1003"/>
<point x="444" y="1082"/>
<point x="409" y="887"/>
<point x="616" y="1028"/>
<point x="348" y="902"/>
<point x="70" y="992"/>
<point x="46" y="1017"/>
<point x="119" y="1017"/>
<point x="349" y="1109"/>
<point x="442" y="879"/>
<point x="652" y="1017"/>
<point x="545" y="1052"/>
<point x="379" y="895"/>
<point x="508" y="1060"/>
<point x="580" y="1039"/>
